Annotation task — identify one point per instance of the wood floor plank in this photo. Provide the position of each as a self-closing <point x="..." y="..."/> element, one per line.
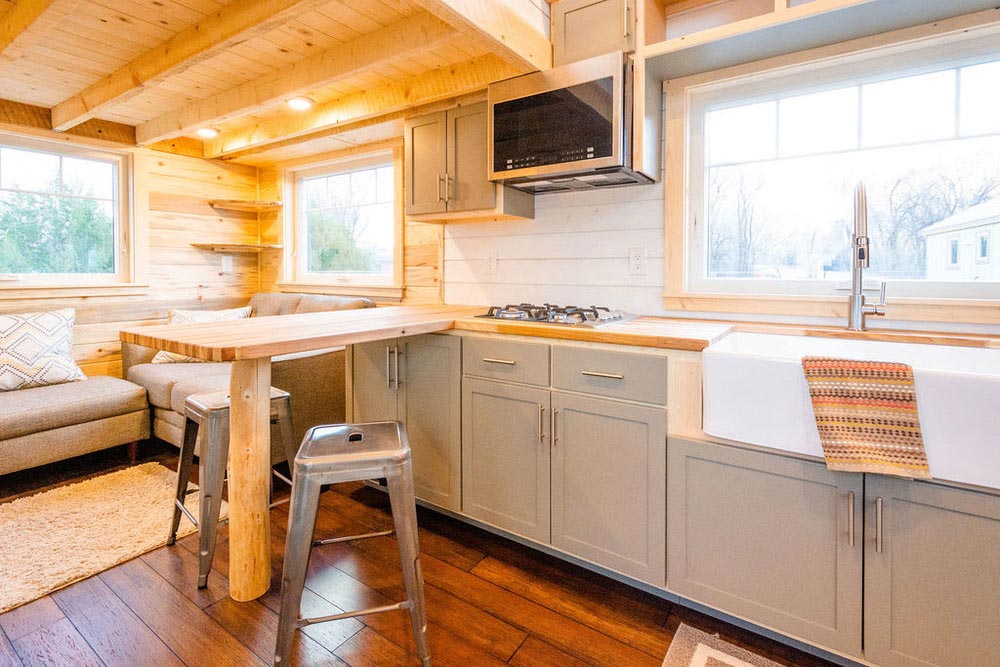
<point x="256" y="627"/>
<point x="180" y="567"/>
<point x="8" y="656"/>
<point x="605" y="613"/>
<point x="115" y="634"/>
<point x="30" y="617"/>
<point x="196" y="637"/>
<point x="536" y="653"/>
<point x="57" y="643"/>
<point x="370" y="649"/>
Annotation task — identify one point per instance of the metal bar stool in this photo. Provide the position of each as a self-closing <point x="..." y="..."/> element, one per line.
<point x="347" y="453"/>
<point x="210" y="411"/>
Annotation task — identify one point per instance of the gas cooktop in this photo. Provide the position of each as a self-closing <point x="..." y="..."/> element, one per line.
<point x="593" y="316"/>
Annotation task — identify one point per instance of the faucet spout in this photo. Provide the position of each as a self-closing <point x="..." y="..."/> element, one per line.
<point x="861" y="260"/>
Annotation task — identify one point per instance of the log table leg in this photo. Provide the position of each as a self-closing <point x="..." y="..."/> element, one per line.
<point x="249" y="475"/>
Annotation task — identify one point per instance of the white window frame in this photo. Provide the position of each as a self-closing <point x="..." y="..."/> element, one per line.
<point x="912" y="51"/>
<point x="126" y="270"/>
<point x="295" y="274"/>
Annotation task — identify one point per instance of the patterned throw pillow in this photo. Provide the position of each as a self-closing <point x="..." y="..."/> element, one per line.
<point x="35" y="349"/>
<point x="191" y="316"/>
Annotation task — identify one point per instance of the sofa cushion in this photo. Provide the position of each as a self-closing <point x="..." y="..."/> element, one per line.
<point x="273" y="303"/>
<point x="194" y="317"/>
<point x="39" y="409"/>
<point x="319" y="303"/>
<point x="159" y="379"/>
<point x="35" y="349"/>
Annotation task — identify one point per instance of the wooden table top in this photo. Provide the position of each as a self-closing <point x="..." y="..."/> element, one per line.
<point x="262" y="337"/>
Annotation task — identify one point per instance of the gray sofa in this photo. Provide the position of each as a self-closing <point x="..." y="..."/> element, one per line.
<point x="315" y="379"/>
<point x="46" y="424"/>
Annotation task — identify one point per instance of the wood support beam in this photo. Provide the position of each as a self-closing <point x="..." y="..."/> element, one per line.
<point x="506" y="33"/>
<point x="27" y="22"/>
<point x="406" y="37"/>
<point x="442" y="83"/>
<point x="234" y="23"/>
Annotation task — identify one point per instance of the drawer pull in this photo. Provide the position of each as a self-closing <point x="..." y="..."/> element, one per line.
<point x="505" y="362"/>
<point x="598" y="374"/>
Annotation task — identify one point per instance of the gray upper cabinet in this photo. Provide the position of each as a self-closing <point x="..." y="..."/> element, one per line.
<point x="446" y="175"/>
<point x="586" y="28"/>
<point x="417" y="380"/>
<point x="505" y="456"/>
<point x="609" y="484"/>
<point x="932" y="582"/>
<point x="767" y="538"/>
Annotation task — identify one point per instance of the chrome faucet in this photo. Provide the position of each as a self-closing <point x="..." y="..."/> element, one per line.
<point x="858" y="307"/>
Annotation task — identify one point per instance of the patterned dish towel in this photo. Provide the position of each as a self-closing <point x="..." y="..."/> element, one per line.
<point x="866" y="413"/>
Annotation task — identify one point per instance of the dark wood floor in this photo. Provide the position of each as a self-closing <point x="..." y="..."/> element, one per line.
<point x="489" y="600"/>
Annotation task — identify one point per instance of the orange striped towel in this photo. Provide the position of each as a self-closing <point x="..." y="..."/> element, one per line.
<point x="866" y="413"/>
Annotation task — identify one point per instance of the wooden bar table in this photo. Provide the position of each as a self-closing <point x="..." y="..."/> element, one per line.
<point x="250" y="344"/>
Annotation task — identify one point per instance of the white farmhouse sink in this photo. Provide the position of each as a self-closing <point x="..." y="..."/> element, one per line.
<point x="755" y="392"/>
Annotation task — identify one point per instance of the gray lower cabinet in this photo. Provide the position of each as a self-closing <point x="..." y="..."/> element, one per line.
<point x="417" y="380"/>
<point x="609" y="484"/>
<point x="932" y="579"/>
<point x="505" y="461"/>
<point x="767" y="538"/>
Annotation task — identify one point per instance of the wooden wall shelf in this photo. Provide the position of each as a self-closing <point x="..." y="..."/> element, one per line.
<point x="237" y="247"/>
<point x="243" y="205"/>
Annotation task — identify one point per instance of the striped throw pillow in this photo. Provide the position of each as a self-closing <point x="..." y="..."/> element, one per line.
<point x="35" y="349"/>
<point x="191" y="316"/>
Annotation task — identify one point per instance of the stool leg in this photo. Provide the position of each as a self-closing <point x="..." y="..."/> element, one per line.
<point x="184" y="465"/>
<point x="287" y="431"/>
<point x="214" y="454"/>
<point x="298" y="540"/>
<point x="404" y="516"/>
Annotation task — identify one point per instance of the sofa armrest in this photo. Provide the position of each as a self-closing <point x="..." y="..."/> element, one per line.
<point x="316" y="383"/>
<point x="133" y="355"/>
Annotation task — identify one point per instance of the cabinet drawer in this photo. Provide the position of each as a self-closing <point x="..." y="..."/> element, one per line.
<point x="506" y="360"/>
<point x="634" y="377"/>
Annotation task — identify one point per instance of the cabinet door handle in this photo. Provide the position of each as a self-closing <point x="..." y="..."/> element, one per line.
<point x="555" y="427"/>
<point x="598" y="374"/>
<point x="541" y="424"/>
<point x="878" y="525"/>
<point x="439" y="179"/>
<point x="388" y="367"/>
<point x="447" y="187"/>
<point x="395" y="367"/>
<point x="625" y="21"/>
<point x="850" y="518"/>
<point x="505" y="362"/>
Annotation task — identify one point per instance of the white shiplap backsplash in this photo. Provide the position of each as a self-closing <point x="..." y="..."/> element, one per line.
<point x="574" y="252"/>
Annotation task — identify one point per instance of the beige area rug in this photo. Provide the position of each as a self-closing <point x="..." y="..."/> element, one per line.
<point x="57" y="537"/>
<point x="694" y="648"/>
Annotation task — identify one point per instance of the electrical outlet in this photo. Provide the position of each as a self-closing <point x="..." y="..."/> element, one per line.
<point x="491" y="262"/>
<point x="637" y="261"/>
<point x="227" y="264"/>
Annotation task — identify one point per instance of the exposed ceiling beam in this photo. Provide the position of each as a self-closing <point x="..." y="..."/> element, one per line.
<point x="507" y="33"/>
<point x="405" y="37"/>
<point x="224" y="28"/>
<point x="441" y="83"/>
<point x="27" y="22"/>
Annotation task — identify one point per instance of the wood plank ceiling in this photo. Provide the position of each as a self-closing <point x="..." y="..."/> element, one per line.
<point x="169" y="67"/>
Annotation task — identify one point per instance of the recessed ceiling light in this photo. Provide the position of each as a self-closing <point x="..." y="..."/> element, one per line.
<point x="301" y="103"/>
<point x="207" y="132"/>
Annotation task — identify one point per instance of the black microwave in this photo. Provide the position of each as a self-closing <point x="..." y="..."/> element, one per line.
<point x="566" y="128"/>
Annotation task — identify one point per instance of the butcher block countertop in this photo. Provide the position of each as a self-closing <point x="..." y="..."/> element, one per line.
<point x="255" y="338"/>
<point x="645" y="331"/>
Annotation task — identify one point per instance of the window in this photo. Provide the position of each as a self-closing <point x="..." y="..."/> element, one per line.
<point x="774" y="160"/>
<point x="983" y="247"/>
<point x="64" y="215"/>
<point x="347" y="223"/>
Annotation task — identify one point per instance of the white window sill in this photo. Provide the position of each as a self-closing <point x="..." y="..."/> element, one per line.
<point x="15" y="290"/>
<point x="378" y="292"/>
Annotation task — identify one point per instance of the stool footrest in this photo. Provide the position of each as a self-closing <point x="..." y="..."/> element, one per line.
<point x="303" y="622"/>
<point x="283" y="501"/>
<point x="281" y="477"/>
<point x="351" y="538"/>
<point x="186" y="512"/>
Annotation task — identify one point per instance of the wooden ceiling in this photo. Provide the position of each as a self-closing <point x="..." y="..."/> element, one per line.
<point x="169" y="67"/>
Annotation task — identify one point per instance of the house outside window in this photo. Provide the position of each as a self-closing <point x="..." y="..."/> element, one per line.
<point x="983" y="247"/>
<point x="774" y="160"/>
<point x="346" y="223"/>
<point x="64" y="215"/>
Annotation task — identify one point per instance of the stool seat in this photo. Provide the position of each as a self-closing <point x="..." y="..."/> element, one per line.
<point x="341" y="445"/>
<point x="204" y="404"/>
